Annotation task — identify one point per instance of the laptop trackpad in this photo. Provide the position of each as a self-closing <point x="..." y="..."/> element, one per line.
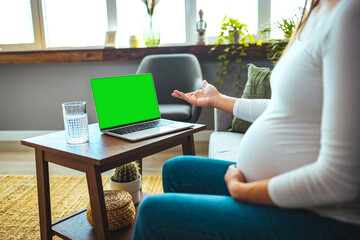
<point x="150" y="132"/>
<point x="180" y="125"/>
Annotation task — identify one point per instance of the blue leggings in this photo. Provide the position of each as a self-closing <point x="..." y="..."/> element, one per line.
<point x="197" y="205"/>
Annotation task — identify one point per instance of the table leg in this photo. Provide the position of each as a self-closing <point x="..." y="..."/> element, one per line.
<point x="97" y="201"/>
<point x="189" y="147"/>
<point x="42" y="177"/>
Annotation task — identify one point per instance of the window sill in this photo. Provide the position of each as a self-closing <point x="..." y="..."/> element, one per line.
<point x="113" y="54"/>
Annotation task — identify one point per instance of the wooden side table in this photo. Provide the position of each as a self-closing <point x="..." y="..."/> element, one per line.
<point x="100" y="154"/>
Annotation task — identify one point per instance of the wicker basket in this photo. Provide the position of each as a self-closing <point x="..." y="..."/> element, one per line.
<point x="120" y="209"/>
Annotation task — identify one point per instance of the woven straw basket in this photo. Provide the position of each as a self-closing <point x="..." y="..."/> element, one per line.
<point x="120" y="209"/>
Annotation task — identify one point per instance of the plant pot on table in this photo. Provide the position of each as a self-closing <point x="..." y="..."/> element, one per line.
<point x="132" y="187"/>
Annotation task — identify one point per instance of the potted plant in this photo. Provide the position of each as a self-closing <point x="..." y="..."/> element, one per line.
<point x="233" y="37"/>
<point x="128" y="178"/>
<point x="277" y="47"/>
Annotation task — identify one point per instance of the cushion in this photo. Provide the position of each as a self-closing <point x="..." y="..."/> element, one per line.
<point x="224" y="145"/>
<point x="257" y="87"/>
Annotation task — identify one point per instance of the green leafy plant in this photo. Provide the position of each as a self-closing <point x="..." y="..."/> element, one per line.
<point x="287" y="26"/>
<point x="233" y="37"/>
<point x="126" y="173"/>
<point x="277" y="47"/>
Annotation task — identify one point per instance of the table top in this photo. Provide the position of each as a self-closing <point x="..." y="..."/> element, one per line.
<point x="102" y="148"/>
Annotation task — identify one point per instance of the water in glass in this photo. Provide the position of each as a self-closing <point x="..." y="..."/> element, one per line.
<point x="76" y="122"/>
<point x="76" y="128"/>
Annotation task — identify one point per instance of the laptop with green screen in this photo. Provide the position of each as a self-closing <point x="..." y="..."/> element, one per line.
<point x="127" y="108"/>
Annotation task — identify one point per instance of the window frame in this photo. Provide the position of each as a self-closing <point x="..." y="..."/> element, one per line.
<point x="264" y="10"/>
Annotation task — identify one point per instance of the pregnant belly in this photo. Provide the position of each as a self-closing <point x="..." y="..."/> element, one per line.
<point x="270" y="148"/>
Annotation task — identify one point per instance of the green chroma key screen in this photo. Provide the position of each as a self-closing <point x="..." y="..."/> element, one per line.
<point x="124" y="99"/>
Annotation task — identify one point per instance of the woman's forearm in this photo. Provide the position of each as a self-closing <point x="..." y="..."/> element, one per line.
<point x="224" y="103"/>
<point x="254" y="192"/>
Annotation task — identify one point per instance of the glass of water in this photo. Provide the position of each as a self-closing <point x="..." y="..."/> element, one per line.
<point x="75" y="122"/>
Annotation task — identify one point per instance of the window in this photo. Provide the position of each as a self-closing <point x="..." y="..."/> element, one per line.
<point x="21" y="30"/>
<point x="19" y="25"/>
<point x="44" y="24"/>
<point x="74" y="23"/>
<point x="283" y="9"/>
<point x="215" y="11"/>
<point x="171" y="20"/>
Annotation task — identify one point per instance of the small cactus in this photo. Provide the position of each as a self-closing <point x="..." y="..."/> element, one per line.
<point x="126" y="173"/>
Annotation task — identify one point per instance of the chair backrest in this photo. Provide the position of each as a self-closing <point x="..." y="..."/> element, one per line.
<point x="170" y="72"/>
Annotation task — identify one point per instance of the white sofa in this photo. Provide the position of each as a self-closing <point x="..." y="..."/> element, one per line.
<point x="224" y="145"/>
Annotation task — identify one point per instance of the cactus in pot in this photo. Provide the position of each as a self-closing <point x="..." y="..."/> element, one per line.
<point x="127" y="178"/>
<point x="126" y="173"/>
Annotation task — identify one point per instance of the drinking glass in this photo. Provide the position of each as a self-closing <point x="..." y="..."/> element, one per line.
<point x="75" y="122"/>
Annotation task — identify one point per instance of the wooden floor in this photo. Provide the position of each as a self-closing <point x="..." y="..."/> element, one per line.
<point x="18" y="159"/>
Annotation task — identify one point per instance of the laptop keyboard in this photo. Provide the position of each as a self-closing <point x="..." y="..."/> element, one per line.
<point x="141" y="126"/>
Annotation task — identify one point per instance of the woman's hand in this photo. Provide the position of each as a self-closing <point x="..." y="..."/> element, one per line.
<point x="204" y="97"/>
<point x="234" y="179"/>
<point x="254" y="192"/>
<point x="234" y="174"/>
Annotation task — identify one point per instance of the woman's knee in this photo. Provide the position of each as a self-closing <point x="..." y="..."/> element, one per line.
<point x="178" y="169"/>
<point x="149" y="207"/>
<point x="172" y="164"/>
<point x="182" y="163"/>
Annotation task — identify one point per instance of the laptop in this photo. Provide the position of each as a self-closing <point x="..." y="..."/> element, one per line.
<point x="127" y="108"/>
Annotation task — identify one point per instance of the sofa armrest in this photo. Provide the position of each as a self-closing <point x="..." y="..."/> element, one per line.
<point x="222" y="120"/>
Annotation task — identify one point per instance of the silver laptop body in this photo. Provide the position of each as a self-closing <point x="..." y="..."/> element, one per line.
<point x="127" y="108"/>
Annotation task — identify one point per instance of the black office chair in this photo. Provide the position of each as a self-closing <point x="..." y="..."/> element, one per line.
<point x="170" y="72"/>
